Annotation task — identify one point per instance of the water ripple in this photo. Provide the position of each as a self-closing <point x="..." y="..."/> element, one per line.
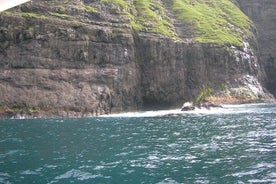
<point x="80" y="175"/>
<point x="228" y="147"/>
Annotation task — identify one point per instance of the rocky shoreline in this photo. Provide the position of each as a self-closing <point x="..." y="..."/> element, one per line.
<point x="189" y="106"/>
<point x="7" y="113"/>
<point x="85" y="58"/>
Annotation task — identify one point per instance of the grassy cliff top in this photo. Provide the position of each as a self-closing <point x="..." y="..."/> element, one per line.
<point x="209" y="21"/>
<point x="214" y="21"/>
<point x="205" y="21"/>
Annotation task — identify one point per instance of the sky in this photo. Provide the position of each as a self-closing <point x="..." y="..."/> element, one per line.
<point x="6" y="4"/>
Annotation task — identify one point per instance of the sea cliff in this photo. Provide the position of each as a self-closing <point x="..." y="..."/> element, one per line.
<point x="85" y="58"/>
<point x="263" y="14"/>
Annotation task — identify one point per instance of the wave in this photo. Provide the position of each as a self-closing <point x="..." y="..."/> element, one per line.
<point x="226" y="109"/>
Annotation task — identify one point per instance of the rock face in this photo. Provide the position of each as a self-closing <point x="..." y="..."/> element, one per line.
<point x="263" y="14"/>
<point x="189" y="106"/>
<point x="85" y="59"/>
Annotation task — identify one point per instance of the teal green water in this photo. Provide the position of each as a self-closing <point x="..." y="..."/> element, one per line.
<point x="236" y="146"/>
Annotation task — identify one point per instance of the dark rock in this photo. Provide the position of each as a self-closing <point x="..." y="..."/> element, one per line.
<point x="205" y="105"/>
<point x="209" y="105"/>
<point x="94" y="65"/>
<point x="263" y="14"/>
<point x="188" y="108"/>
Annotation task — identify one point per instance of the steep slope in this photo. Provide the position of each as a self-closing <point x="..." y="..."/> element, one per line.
<point x="263" y="13"/>
<point x="79" y="58"/>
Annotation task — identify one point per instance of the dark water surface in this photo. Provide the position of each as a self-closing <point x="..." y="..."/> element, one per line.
<point x="237" y="145"/>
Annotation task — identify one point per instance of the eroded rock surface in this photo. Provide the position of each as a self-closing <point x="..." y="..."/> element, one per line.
<point x="72" y="60"/>
<point x="263" y="14"/>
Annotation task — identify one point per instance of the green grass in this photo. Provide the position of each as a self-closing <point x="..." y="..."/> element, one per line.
<point x="214" y="21"/>
<point x="204" y="94"/>
<point x="209" y="21"/>
<point x="60" y="15"/>
<point x="90" y="9"/>
<point x="121" y="3"/>
<point x="32" y="15"/>
<point x="146" y="15"/>
<point x="152" y="16"/>
<point x="33" y="109"/>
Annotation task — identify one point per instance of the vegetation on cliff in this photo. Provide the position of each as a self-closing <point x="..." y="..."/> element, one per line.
<point x="207" y="21"/>
<point x="102" y="56"/>
<point x="211" y="21"/>
<point x="214" y="21"/>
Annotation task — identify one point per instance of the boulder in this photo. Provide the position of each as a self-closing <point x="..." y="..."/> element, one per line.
<point x="188" y="106"/>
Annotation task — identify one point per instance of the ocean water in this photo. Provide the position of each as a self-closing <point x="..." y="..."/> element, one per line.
<point x="236" y="144"/>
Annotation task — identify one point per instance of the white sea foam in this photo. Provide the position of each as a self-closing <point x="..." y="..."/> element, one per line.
<point x="78" y="174"/>
<point x="257" y="181"/>
<point x="4" y="174"/>
<point x="241" y="174"/>
<point x="168" y="181"/>
<point x="28" y="172"/>
<point x="50" y="166"/>
<point x="10" y="153"/>
<point x="11" y="140"/>
<point x="145" y="113"/>
<point x="99" y="167"/>
<point x="150" y="166"/>
<point x="170" y="158"/>
<point x="227" y="109"/>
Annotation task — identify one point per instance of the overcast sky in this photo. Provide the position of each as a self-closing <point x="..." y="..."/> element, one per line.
<point x="6" y="4"/>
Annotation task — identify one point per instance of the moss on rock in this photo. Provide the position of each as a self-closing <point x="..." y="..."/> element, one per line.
<point x="214" y="21"/>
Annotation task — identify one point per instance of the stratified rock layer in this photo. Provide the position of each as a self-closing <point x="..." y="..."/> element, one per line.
<point x="86" y="63"/>
<point x="263" y="14"/>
